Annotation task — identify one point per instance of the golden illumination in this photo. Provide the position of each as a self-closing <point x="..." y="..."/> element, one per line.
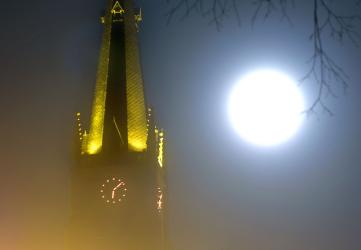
<point x="117" y="9"/>
<point x="136" y="110"/>
<point x="138" y="16"/>
<point x="84" y="142"/>
<point x="160" y="147"/>
<point x="83" y="136"/>
<point x="98" y="110"/>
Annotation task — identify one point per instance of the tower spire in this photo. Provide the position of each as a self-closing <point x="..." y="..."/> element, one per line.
<point x="137" y="121"/>
<point x="118" y="183"/>
<point x="119" y="18"/>
<point x="95" y="137"/>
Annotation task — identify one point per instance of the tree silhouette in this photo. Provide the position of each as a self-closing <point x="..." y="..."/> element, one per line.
<point x="323" y="71"/>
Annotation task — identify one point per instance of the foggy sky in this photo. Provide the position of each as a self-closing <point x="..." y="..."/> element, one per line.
<point x="224" y="193"/>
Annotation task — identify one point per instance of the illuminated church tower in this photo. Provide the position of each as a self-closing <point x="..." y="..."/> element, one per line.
<point x="118" y="188"/>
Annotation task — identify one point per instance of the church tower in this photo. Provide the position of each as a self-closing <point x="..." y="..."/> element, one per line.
<point x="118" y="179"/>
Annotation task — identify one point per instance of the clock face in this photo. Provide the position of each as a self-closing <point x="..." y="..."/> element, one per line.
<point x="113" y="190"/>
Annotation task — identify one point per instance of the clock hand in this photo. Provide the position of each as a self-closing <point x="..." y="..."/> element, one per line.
<point x="114" y="189"/>
<point x="120" y="184"/>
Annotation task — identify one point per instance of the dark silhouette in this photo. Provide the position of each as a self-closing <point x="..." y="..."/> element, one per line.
<point x="324" y="71"/>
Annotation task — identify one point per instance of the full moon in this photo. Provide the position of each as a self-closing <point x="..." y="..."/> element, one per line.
<point x="266" y="108"/>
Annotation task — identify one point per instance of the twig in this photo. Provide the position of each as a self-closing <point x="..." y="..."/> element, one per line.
<point x="324" y="70"/>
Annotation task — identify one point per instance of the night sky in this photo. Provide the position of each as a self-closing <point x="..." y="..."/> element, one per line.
<point x="224" y="193"/>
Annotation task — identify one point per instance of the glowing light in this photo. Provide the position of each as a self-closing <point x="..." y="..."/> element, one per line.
<point x="138" y="16"/>
<point x="160" y="147"/>
<point x="93" y="148"/>
<point x="117" y="9"/>
<point x="82" y="135"/>
<point x="84" y="142"/>
<point x="137" y="125"/>
<point x="136" y="145"/>
<point x="98" y="110"/>
<point x="266" y="108"/>
<point x="159" y="200"/>
<point x="136" y="109"/>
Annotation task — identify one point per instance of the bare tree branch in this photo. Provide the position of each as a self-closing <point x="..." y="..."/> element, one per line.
<point x="324" y="71"/>
<point x="214" y="10"/>
<point x="270" y="6"/>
